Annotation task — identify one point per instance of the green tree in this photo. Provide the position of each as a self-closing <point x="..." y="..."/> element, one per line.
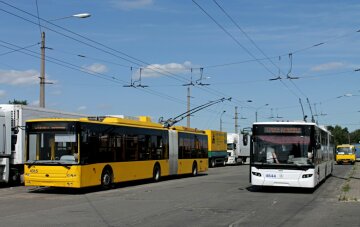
<point x="341" y="135"/>
<point x="21" y="102"/>
<point x="355" y="136"/>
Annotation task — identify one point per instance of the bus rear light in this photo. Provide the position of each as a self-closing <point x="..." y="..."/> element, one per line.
<point x="307" y="175"/>
<point x="256" y="174"/>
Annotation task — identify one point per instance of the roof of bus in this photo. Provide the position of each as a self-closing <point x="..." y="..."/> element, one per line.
<point x="284" y="123"/>
<point x="142" y="121"/>
<point x="345" y="145"/>
<point x="292" y="123"/>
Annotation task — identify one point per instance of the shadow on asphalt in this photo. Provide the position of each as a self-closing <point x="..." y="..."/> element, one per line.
<point x="80" y="191"/>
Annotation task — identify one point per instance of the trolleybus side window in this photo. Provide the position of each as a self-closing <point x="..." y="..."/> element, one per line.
<point x="192" y="146"/>
<point x="109" y="144"/>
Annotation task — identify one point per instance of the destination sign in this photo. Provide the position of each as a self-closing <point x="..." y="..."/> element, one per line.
<point x="284" y="130"/>
<point x="49" y="126"/>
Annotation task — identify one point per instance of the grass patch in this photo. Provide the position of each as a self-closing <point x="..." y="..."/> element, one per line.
<point x="346" y="187"/>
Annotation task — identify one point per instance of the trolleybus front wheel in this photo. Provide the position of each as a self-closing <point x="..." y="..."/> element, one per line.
<point x="106" y="178"/>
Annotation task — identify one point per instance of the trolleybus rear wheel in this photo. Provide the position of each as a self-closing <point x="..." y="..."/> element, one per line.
<point x="212" y="163"/>
<point x="194" y="169"/>
<point x="156" y="173"/>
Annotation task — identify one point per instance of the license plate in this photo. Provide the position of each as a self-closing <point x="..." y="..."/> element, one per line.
<point x="270" y="175"/>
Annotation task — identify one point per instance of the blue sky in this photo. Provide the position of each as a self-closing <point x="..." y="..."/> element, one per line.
<point x="240" y="46"/>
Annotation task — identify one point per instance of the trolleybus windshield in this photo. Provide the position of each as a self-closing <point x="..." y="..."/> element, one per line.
<point x="52" y="143"/>
<point x="282" y="145"/>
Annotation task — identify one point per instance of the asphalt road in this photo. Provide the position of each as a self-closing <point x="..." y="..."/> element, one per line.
<point x="222" y="197"/>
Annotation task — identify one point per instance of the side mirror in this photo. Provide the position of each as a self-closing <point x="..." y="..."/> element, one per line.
<point x="317" y="145"/>
<point x="310" y="155"/>
<point x="245" y="140"/>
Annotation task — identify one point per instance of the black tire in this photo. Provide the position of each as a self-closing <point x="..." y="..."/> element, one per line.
<point x="194" y="169"/>
<point x="156" y="173"/>
<point x="106" y="178"/>
<point x="14" y="178"/>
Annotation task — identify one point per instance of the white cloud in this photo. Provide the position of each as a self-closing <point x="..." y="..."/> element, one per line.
<point x="2" y="93"/>
<point x="131" y="4"/>
<point x="13" y="77"/>
<point x="157" y="70"/>
<point x="96" y="68"/>
<point x="328" y="66"/>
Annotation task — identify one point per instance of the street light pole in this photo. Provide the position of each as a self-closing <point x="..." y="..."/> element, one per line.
<point x="221" y="120"/>
<point x="42" y="64"/>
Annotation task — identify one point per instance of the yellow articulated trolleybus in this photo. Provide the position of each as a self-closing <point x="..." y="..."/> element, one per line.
<point x="86" y="152"/>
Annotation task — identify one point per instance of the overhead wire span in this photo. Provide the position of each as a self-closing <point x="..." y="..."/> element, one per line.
<point x="108" y="50"/>
<point x="19" y="49"/>
<point x="231" y="36"/>
<point x="161" y="71"/>
<point x="243" y="47"/>
<point x="93" y="73"/>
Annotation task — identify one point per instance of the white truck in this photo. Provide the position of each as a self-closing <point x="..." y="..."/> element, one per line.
<point x="12" y="137"/>
<point x="238" y="148"/>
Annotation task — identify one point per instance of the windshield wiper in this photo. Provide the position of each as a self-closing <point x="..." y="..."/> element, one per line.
<point x="63" y="164"/>
<point x="31" y="163"/>
<point x="51" y="162"/>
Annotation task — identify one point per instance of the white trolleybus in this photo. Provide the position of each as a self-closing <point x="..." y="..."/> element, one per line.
<point x="290" y="154"/>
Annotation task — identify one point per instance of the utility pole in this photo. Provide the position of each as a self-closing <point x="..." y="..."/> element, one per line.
<point x="188" y="99"/>
<point x="236" y="120"/>
<point x="188" y="107"/>
<point x="42" y="71"/>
